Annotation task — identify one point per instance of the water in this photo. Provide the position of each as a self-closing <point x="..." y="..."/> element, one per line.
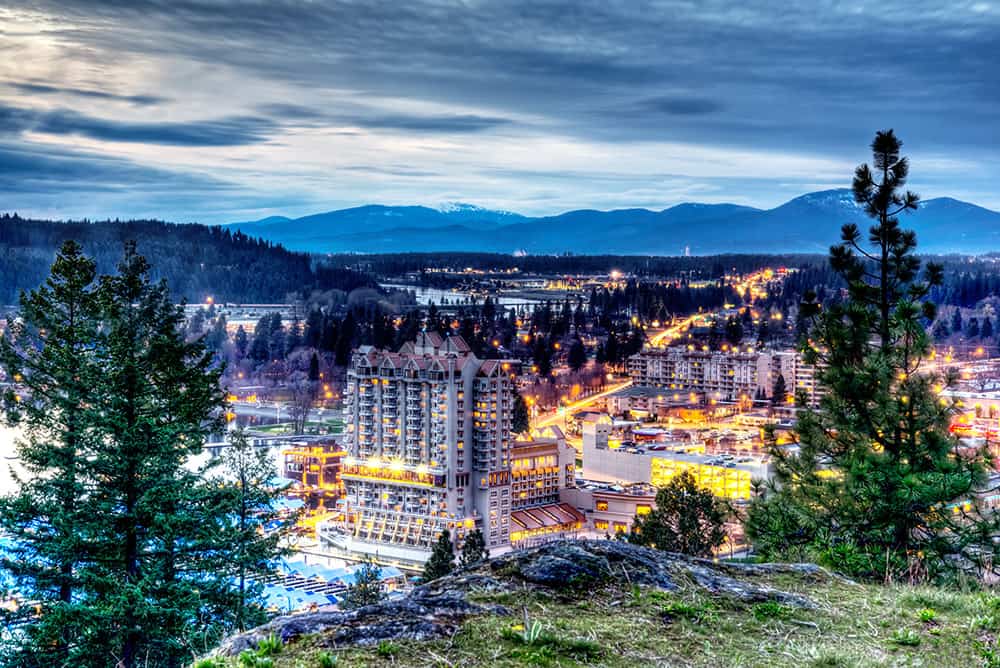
<point x="9" y="464"/>
<point x="426" y="295"/>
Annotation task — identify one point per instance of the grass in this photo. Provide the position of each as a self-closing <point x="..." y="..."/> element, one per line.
<point x="852" y="625"/>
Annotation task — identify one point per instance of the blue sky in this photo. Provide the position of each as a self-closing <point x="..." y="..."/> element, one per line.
<point x="212" y="112"/>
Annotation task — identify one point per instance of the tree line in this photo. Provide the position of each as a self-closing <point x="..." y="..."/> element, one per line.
<point x="197" y="261"/>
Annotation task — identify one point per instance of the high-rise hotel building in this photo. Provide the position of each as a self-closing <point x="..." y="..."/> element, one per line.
<point x="428" y="448"/>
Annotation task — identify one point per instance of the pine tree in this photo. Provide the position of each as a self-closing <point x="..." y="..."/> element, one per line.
<point x="442" y="561"/>
<point x="986" y="331"/>
<point x="686" y="519"/>
<point x="734" y="330"/>
<point x="367" y="588"/>
<point x="763" y="330"/>
<point x="520" y="420"/>
<point x="314" y="368"/>
<point x="474" y="549"/>
<point x="577" y="356"/>
<point x="45" y="351"/>
<point x="241" y="341"/>
<point x="780" y="390"/>
<point x="876" y="488"/>
<point x="956" y="321"/>
<point x="256" y="529"/>
<point x="972" y="328"/>
<point x="154" y="529"/>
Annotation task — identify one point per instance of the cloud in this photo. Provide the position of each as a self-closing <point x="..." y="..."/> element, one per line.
<point x="476" y="97"/>
<point x="456" y="123"/>
<point x="680" y="106"/>
<point x="231" y="131"/>
<point x="33" y="169"/>
<point x="378" y="119"/>
<point x="45" y="89"/>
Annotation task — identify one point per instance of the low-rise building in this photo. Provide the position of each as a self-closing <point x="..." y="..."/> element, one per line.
<point x="316" y="467"/>
<point x="728" y="476"/>
<point x="611" y="509"/>
<point x="541" y="468"/>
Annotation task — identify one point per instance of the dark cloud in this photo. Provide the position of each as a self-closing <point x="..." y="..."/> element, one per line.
<point x="232" y="131"/>
<point x="458" y="123"/>
<point x="45" y="89"/>
<point x="33" y="169"/>
<point x="364" y="117"/>
<point x="680" y="106"/>
<point x="820" y="72"/>
<point x="810" y="80"/>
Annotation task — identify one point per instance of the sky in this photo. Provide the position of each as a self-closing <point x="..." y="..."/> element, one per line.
<point x="212" y="111"/>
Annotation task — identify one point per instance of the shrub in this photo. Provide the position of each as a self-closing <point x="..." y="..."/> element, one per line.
<point x="905" y="638"/>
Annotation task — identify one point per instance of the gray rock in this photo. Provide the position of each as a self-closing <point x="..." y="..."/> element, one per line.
<point x="439" y="608"/>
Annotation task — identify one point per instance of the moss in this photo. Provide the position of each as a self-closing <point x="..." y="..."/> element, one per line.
<point x="851" y="625"/>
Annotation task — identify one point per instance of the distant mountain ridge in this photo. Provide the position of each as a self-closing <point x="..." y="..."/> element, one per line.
<point x="808" y="223"/>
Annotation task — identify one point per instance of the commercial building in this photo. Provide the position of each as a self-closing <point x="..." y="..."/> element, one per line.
<point x="316" y="467"/>
<point x="727" y="476"/>
<point x="611" y="509"/>
<point x="429" y="448"/>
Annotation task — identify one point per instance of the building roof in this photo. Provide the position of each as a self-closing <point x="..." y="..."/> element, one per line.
<point x="551" y="515"/>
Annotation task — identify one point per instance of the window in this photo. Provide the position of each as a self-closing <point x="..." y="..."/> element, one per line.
<point x="601" y="505"/>
<point x="642" y="510"/>
<point x="600" y="524"/>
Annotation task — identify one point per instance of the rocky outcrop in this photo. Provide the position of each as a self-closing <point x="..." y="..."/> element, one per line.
<point x="568" y="567"/>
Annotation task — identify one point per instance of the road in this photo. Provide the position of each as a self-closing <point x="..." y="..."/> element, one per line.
<point x="555" y="418"/>
<point x="673" y="331"/>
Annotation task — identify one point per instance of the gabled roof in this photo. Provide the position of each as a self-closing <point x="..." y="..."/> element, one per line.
<point x="456" y="344"/>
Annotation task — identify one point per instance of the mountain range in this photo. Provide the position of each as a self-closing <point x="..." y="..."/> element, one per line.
<point x="809" y="223"/>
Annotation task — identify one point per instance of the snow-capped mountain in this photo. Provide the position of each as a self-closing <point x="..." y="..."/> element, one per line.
<point x="809" y="223"/>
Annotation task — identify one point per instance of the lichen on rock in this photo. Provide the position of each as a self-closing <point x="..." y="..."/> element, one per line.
<point x="565" y="567"/>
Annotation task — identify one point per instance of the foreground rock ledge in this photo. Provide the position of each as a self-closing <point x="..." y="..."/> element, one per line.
<point x="438" y="609"/>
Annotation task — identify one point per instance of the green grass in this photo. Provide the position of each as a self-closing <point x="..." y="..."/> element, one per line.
<point x="852" y="625"/>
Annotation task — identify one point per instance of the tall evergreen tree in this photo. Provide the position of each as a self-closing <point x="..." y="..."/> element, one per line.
<point x="577" y="356"/>
<point x="520" y="420"/>
<point x="734" y="330"/>
<point x="256" y="528"/>
<point x="367" y="588"/>
<point x="46" y="353"/>
<point x="442" y="561"/>
<point x="153" y="527"/>
<point x="877" y="487"/>
<point x="956" y="321"/>
<point x="241" y="341"/>
<point x="314" y="368"/>
<point x="474" y="549"/>
<point x="972" y="328"/>
<point x="780" y="390"/>
<point x="986" y="331"/>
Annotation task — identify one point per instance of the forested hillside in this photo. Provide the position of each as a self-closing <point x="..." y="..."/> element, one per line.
<point x="198" y="261"/>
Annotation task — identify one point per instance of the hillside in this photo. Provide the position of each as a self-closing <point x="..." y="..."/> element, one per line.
<point x="804" y="224"/>
<point x="197" y="261"/>
<point x="606" y="603"/>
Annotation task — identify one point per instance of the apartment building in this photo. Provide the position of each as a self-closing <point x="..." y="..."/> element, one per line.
<point x="731" y="375"/>
<point x="428" y="445"/>
<point x="720" y="375"/>
<point x="799" y="376"/>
